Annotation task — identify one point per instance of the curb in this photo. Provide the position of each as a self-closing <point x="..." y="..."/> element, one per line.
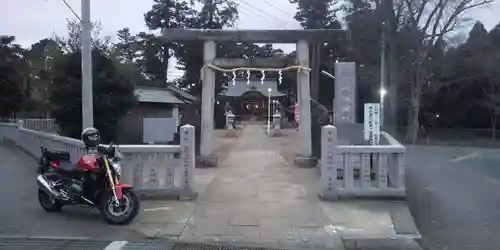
<point x="73" y="243"/>
<point x="78" y="243"/>
<point x="25" y="237"/>
<point x="395" y="243"/>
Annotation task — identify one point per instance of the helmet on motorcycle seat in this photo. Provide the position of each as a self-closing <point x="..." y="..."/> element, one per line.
<point x="91" y="137"/>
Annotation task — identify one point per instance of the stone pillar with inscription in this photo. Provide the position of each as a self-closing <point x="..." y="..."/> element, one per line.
<point x="345" y="93"/>
<point x="328" y="183"/>
<point x="188" y="157"/>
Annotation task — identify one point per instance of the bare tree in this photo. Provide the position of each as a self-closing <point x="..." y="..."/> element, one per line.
<point x="491" y="101"/>
<point x="433" y="20"/>
<point x="71" y="43"/>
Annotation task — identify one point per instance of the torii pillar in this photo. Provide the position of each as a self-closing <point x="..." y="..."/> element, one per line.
<point x="304" y="155"/>
<point x="210" y="37"/>
<point x="206" y="158"/>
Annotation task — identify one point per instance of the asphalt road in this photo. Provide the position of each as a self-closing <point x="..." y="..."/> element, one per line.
<point x="454" y="196"/>
<point x="20" y="213"/>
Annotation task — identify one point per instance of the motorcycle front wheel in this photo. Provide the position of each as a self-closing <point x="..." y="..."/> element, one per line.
<point x="123" y="213"/>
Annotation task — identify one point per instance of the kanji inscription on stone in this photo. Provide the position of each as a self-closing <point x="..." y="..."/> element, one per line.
<point x="345" y="92"/>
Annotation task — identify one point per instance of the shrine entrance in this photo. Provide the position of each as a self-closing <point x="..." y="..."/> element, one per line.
<point x="253" y="105"/>
<point x="300" y="64"/>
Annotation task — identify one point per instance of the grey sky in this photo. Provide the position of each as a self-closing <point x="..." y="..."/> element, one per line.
<point x="32" y="20"/>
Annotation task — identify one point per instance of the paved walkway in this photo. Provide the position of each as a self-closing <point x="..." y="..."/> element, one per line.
<point x="255" y="196"/>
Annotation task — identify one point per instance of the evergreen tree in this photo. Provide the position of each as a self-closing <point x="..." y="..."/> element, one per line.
<point x="13" y="68"/>
<point x="113" y="94"/>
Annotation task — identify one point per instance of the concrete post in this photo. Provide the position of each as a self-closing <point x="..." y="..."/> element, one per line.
<point x="175" y="114"/>
<point x="304" y="96"/>
<point x="207" y="106"/>
<point x="2" y="132"/>
<point x="188" y="160"/>
<point x="20" y="125"/>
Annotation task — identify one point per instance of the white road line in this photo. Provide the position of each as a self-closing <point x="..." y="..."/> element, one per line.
<point x="282" y="159"/>
<point x="156" y="209"/>
<point x="464" y="157"/>
<point x="116" y="245"/>
<point x="333" y="230"/>
<point x="493" y="180"/>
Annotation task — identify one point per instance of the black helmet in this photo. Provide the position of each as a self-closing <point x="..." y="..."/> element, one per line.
<point x="91" y="137"/>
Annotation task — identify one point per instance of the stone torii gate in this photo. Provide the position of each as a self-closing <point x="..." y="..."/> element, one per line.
<point x="210" y="37"/>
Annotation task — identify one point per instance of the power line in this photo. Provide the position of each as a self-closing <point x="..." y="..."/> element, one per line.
<point x="248" y="12"/>
<point x="274" y="6"/>
<point x="72" y="10"/>
<point x="253" y="8"/>
<point x="259" y="10"/>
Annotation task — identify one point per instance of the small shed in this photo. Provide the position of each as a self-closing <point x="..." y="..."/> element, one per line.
<point x="156" y="117"/>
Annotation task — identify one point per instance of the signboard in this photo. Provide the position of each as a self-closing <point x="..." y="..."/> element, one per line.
<point x="158" y="130"/>
<point x="345" y="92"/>
<point x="372" y="123"/>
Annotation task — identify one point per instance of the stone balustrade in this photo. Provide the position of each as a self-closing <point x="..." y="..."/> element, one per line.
<point x="361" y="170"/>
<point x="159" y="170"/>
<point x="46" y="125"/>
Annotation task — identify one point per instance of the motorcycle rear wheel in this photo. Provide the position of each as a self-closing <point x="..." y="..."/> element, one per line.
<point x="123" y="214"/>
<point x="48" y="203"/>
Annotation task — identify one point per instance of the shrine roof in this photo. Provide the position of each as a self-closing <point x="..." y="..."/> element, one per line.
<point x="241" y="87"/>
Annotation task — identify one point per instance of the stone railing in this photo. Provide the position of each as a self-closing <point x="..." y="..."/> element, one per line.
<point x="361" y="170"/>
<point x="159" y="170"/>
<point x="46" y="125"/>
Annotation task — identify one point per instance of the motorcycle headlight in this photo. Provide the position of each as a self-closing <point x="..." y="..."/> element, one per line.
<point x="117" y="167"/>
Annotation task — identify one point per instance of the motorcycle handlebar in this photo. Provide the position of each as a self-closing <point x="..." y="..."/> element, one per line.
<point x="104" y="150"/>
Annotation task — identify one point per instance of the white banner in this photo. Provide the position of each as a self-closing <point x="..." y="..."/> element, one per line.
<point x="372" y="123"/>
<point x="376" y="124"/>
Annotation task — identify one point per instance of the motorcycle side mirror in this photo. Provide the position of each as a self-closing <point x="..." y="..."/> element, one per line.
<point x="111" y="148"/>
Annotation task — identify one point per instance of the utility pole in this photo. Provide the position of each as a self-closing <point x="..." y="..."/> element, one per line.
<point x="166" y="46"/>
<point x="86" y="43"/>
<point x="383" y="74"/>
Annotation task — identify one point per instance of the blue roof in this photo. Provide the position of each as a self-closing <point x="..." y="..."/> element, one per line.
<point x="157" y="95"/>
<point x="241" y="87"/>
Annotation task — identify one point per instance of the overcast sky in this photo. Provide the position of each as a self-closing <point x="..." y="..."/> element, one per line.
<point x="32" y="20"/>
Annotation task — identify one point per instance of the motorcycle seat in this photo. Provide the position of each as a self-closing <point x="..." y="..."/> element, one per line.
<point x="67" y="166"/>
<point x="56" y="155"/>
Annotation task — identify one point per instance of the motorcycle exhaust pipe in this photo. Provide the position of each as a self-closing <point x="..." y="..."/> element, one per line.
<point x="44" y="185"/>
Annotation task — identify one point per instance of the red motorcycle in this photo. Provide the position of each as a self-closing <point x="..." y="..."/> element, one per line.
<point x="94" y="181"/>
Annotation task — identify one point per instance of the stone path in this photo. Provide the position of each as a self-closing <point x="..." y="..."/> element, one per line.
<point x="257" y="197"/>
<point x="254" y="197"/>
